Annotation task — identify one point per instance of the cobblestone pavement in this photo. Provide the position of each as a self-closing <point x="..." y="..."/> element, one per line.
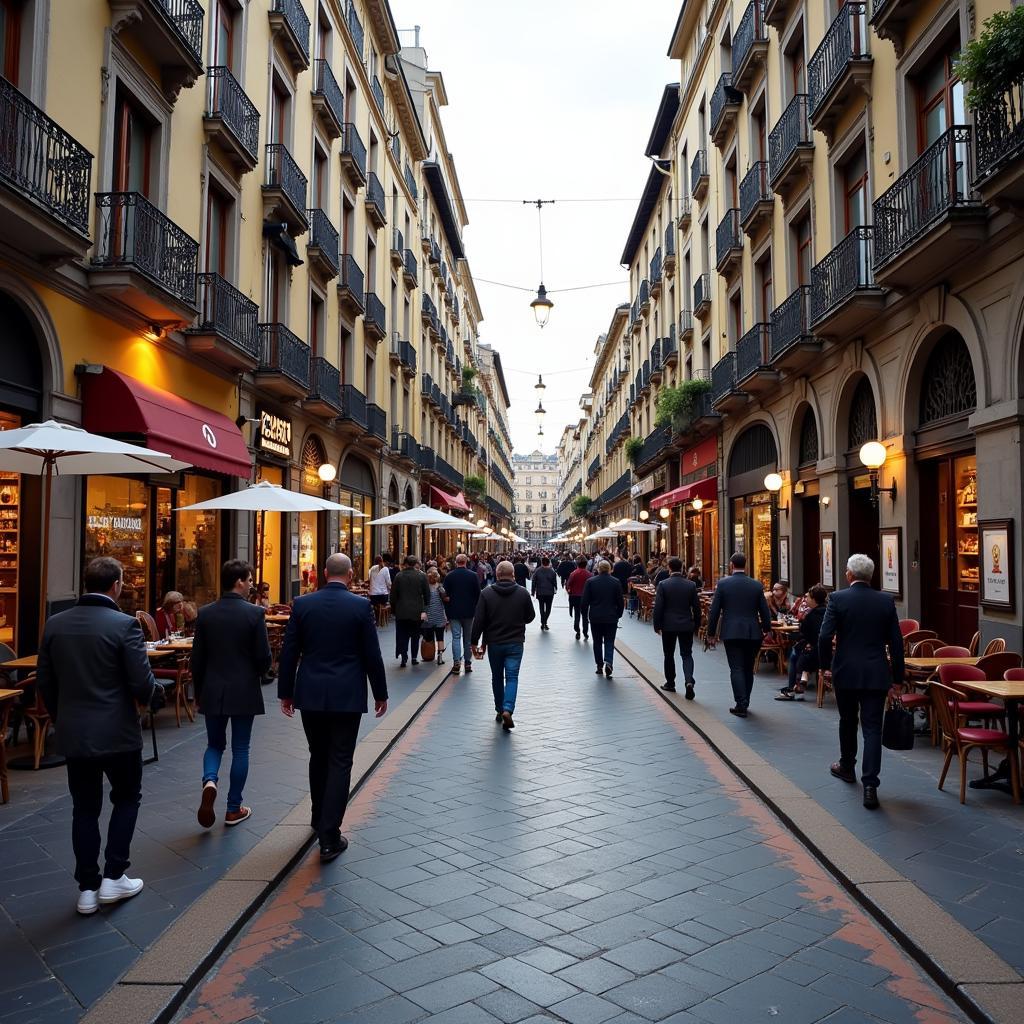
<point x="598" y="864"/>
<point x="54" y="962"/>
<point x="968" y="858"/>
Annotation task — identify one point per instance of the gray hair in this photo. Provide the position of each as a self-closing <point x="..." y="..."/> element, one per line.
<point x="337" y="566"/>
<point x="604" y="565"/>
<point x="860" y="567"/>
<point x="505" y="571"/>
<point x="461" y="559"/>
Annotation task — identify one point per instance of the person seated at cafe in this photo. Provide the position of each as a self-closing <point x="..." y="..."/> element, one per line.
<point x="693" y="574"/>
<point x="261" y="595"/>
<point x="779" y="603"/>
<point x="803" y="656"/>
<point x="170" y="616"/>
<point x="639" y="573"/>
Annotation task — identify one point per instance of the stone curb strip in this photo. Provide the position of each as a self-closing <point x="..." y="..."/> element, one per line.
<point x="982" y="984"/>
<point x="163" y="977"/>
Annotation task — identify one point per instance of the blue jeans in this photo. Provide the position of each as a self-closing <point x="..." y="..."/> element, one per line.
<point x="505" y="660"/>
<point x="461" y="633"/>
<point x="604" y="642"/>
<point x="217" y="740"/>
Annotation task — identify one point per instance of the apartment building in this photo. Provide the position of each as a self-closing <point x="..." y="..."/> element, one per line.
<point x="536" y="492"/>
<point x="220" y="222"/>
<point x="570" y="472"/>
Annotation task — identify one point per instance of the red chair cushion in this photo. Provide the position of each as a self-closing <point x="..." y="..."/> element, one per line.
<point x="973" y="735"/>
<point x="979" y="708"/>
<point x="915" y="700"/>
<point x="165" y="673"/>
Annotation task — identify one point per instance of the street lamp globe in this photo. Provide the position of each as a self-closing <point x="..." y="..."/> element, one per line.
<point x="644" y="516"/>
<point x="773" y="483"/>
<point x="540" y="387"/>
<point x="664" y="513"/>
<point x="873" y="455"/>
<point x="698" y="504"/>
<point x="326" y="472"/>
<point x="541" y="306"/>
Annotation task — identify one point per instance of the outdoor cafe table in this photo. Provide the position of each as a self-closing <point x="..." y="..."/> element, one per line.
<point x="933" y="663"/>
<point x="277" y="619"/>
<point x="1011" y="694"/>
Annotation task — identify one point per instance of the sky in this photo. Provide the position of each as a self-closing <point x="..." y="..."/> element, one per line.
<point x="547" y="100"/>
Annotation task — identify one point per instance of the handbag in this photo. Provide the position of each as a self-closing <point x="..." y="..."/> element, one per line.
<point x="427" y="649"/>
<point x="897" y="727"/>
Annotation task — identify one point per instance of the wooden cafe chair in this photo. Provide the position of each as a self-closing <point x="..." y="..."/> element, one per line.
<point x="975" y="706"/>
<point x="995" y="665"/>
<point x="911" y="639"/>
<point x="952" y="651"/>
<point x="148" y="623"/>
<point x="996" y="646"/>
<point x="909" y="626"/>
<point x="975" y="644"/>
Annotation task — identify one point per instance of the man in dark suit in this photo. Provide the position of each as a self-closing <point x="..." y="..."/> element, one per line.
<point x="740" y="601"/>
<point x="92" y="673"/>
<point x="601" y="605"/>
<point x="864" y="624"/>
<point x="463" y="588"/>
<point x="622" y="570"/>
<point x="410" y="598"/>
<point x="676" y="616"/>
<point x="230" y="656"/>
<point x="330" y="650"/>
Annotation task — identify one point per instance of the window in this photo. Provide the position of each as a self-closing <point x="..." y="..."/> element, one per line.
<point x="321" y="179"/>
<point x="223" y="35"/>
<point x="280" y="112"/>
<point x="370" y="271"/>
<point x="855" y="191"/>
<point x="348" y="220"/>
<point x="795" y="81"/>
<point x="10" y="38"/>
<point x="735" y="319"/>
<point x="133" y="146"/>
<point x="371" y="381"/>
<point x="765" y="290"/>
<point x="940" y="99"/>
<point x="275" y="298"/>
<point x="219" y="210"/>
<point x="323" y="36"/>
<point x="316" y="325"/>
<point x="802" y="245"/>
<point x="345" y="355"/>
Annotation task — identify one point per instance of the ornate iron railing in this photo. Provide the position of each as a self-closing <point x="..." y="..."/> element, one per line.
<point x="656" y="356"/>
<point x="409" y="264"/>
<point x="654" y="444"/>
<point x="133" y="233"/>
<point x="404" y="444"/>
<point x="355" y="27"/>
<point x="426" y="458"/>
<point x="283" y="352"/>
<point x="378" y="92"/>
<point x="375" y="312"/>
<point x="701" y="290"/>
<point x="792" y="131"/>
<point x="283" y="173"/>
<point x="353" y="405"/>
<point x="728" y="237"/>
<point x="846" y="40"/>
<point x="326" y="85"/>
<point x="644" y="295"/>
<point x="186" y="18"/>
<point x="410" y="181"/>
<point x="752" y="351"/>
<point x="670" y="242"/>
<point x="845" y="270"/>
<point x="751" y="30"/>
<point x="377" y="421"/>
<point x="655" y="274"/>
<point x="296" y="19"/>
<point x="594" y="468"/>
<point x="669" y="345"/>
<point x="375" y="195"/>
<point x="685" y="322"/>
<point x="937" y="182"/>
<point x="224" y="310"/>
<point x="323" y="235"/>
<point x="754" y="189"/>
<point x="426" y="385"/>
<point x="722" y="98"/>
<point x="617" y="489"/>
<point x="791" y="321"/>
<point x="226" y="99"/>
<point x="698" y="170"/>
<point x="42" y="162"/>
<point x="325" y="382"/>
<point x="999" y="130"/>
<point x="352" y="146"/>
<point x="351" y="276"/>
<point x="723" y="377"/>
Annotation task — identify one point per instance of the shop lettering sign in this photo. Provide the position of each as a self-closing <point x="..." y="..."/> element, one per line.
<point x="275" y="434"/>
<point x="704" y="454"/>
<point x="131" y="524"/>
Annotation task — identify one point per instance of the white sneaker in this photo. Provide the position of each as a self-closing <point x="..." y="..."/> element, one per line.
<point x="113" y="890"/>
<point x="88" y="901"/>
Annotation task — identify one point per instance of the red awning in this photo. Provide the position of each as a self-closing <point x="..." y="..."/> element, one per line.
<point x="451" y="500"/>
<point x="706" y="490"/>
<point x="114" y="403"/>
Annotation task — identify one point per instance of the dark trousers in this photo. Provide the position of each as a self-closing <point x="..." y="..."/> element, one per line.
<point x="407" y="637"/>
<point x="85" y="782"/>
<point x="869" y="706"/>
<point x="668" y="647"/>
<point x="575" y="610"/>
<point x="742" y="655"/>
<point x="604" y="641"/>
<point x="544" y="604"/>
<point x="331" y="736"/>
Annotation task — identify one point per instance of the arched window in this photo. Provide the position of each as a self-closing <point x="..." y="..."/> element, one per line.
<point x="314" y="455"/>
<point x="948" y="387"/>
<point x="754" y="449"/>
<point x="808" y="454"/>
<point x="863" y="419"/>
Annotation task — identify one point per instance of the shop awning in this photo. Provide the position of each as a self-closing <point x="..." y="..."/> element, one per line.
<point x="114" y="403"/>
<point x="451" y="500"/>
<point x="706" y="490"/>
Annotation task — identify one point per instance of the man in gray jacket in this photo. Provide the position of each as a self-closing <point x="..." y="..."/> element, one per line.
<point x="92" y="673"/>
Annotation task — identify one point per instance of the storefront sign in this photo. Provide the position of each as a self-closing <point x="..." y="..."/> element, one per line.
<point x="784" y="560"/>
<point x="129" y="524"/>
<point x="827" y="556"/>
<point x="651" y="482"/>
<point x="700" y="457"/>
<point x="891" y="548"/>
<point x="275" y="434"/>
<point x="997" y="566"/>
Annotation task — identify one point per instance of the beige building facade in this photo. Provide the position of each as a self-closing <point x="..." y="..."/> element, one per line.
<point x="536" y="496"/>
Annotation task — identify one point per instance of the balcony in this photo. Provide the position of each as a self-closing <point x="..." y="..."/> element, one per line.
<point x="378" y="93"/>
<point x="793" y="344"/>
<point x="404" y="446"/>
<point x="699" y="177"/>
<point x="289" y="25"/>
<point x="427" y="309"/>
<point x="353" y="156"/>
<point x="328" y="101"/>
<point x="227" y="329"/>
<point x="350" y="287"/>
<point x="44" y="182"/>
<point x="670" y="251"/>
<point x="725" y="395"/>
<point x="170" y="32"/>
<point x="757" y="201"/>
<point x="404" y="354"/>
<point x="426" y="386"/>
<point x="231" y="120"/>
<point x="410" y="268"/>
<point x="353" y="409"/>
<point x="376" y="425"/>
<point x="435" y="256"/>
<point x="324" y="397"/>
<point x="750" y="45"/>
<point x="725" y="105"/>
<point x="374" y="320"/>
<point x="397" y="248"/>
<point x="776" y="12"/>
<point x="657" y="442"/>
<point x="999" y="138"/>
<point x="144" y="259"/>
<point x="355" y="27"/>
<point x="376" y="211"/>
<point x="844" y="296"/>
<point x="644" y="298"/>
<point x="701" y="296"/>
<point x="700" y="417"/>
<point x="657" y="366"/>
<point x="656" y="274"/>
<point x="284" y="190"/>
<point x="322" y="249"/>
<point x="410" y="183"/>
<point x="729" y="243"/>
<point x="791" y="147"/>
<point x="889" y="19"/>
<point x="284" y="362"/>
<point x="594" y="469"/>
<point x="930" y="218"/>
<point x="754" y="373"/>
<point x="839" y="67"/>
<point x="685" y="326"/>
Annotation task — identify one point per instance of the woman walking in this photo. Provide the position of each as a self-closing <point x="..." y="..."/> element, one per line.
<point x="437" y="619"/>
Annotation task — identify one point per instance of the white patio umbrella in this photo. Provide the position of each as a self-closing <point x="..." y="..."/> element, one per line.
<point x="52" y="448"/>
<point x="634" y="526"/>
<point x="423" y="516"/>
<point x="606" y="534"/>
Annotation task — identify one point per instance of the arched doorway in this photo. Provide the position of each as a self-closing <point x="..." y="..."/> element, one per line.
<point x="393" y="534"/>
<point x="948" y="485"/>
<point x="354" y="535"/>
<point x="806" y="513"/>
<point x="753" y="457"/>
<point x="861" y="427"/>
<point x="312" y="525"/>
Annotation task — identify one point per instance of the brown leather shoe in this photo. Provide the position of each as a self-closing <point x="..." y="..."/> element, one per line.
<point x="237" y="817"/>
<point x="207" y="815"/>
<point x="842" y="773"/>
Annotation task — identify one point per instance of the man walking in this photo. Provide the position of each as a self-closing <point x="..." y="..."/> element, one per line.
<point x="676" y="615"/>
<point x="543" y="586"/>
<point x="602" y="605"/>
<point x="741" y="602"/>
<point x="864" y="624"/>
<point x="522" y="570"/>
<point x="463" y="588"/>
<point x="330" y="650"/>
<point x="502" y="614"/>
<point x="92" y="673"/>
<point x="577" y="581"/>
<point x="622" y="570"/>
<point x="230" y="656"/>
<point x="564" y="570"/>
<point x="410" y="597"/>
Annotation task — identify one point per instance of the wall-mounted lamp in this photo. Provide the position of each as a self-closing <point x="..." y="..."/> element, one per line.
<point x="644" y="516"/>
<point x="664" y="513"/>
<point x="326" y="472"/>
<point x="873" y="456"/>
<point x="698" y="504"/>
<point x="824" y="501"/>
<point x="773" y="484"/>
<point x="155" y="332"/>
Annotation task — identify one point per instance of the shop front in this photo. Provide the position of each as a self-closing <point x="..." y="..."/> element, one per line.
<point x="273" y="444"/>
<point x="315" y="476"/>
<point x="447" y="542"/>
<point x="646" y="491"/>
<point x="752" y="520"/>
<point x="803" y="570"/>
<point x="355" y="537"/>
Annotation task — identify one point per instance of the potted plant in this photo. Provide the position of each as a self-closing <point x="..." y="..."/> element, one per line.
<point x="993" y="63"/>
<point x="581" y="506"/>
<point x="468" y="391"/>
<point x="474" y="487"/>
<point x="633" y="447"/>
<point x="677" y="406"/>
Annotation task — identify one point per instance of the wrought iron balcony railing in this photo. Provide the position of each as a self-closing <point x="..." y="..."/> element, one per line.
<point x="353" y="405"/>
<point x="644" y="295"/>
<point x="283" y="173"/>
<point x="353" y="148"/>
<point x="750" y="32"/>
<point x="410" y="181"/>
<point x="186" y="19"/>
<point x="723" y="377"/>
<point x="701" y="291"/>
<point x="698" y="172"/>
<point x="283" y="352"/>
<point x="410" y="267"/>
<point x="375" y="196"/>
<point x="754" y="189"/>
<point x="845" y="41"/>
<point x="355" y="26"/>
<point x="791" y="321"/>
<point x="324" y="382"/>
<point x="594" y="468"/>
<point x="792" y="131"/>
<point x="845" y="270"/>
<point x="326" y="85"/>
<point x="226" y="99"/>
<point x="296" y="19"/>
<point x="753" y="351"/>
<point x="724" y="97"/>
<point x="728" y="238"/>
<point x="224" y="310"/>
<point x="377" y="421"/>
<point x="655" y="269"/>
<point x="375" y="313"/>
<point x="324" y="236"/>
<point x="670" y="243"/>
<point x="999" y="131"/>
<point x="351" y="278"/>
<point x="378" y="92"/>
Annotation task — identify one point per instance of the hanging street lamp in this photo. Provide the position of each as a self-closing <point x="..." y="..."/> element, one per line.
<point x="542" y="306"/>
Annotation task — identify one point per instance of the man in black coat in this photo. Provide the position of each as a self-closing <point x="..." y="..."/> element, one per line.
<point x="740" y="601"/>
<point x="230" y="656"/>
<point x="543" y="587"/>
<point x="603" y="603"/>
<point x="92" y="674"/>
<point x="622" y="570"/>
<point x="330" y="650"/>
<point x="867" y="665"/>
<point x="676" y="616"/>
<point x="410" y="598"/>
<point x="564" y="570"/>
<point x="522" y="571"/>
<point x="463" y="588"/>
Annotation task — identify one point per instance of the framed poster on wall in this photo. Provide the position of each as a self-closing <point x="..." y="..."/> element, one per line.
<point x="784" y="560"/>
<point x="891" y="570"/>
<point x="998" y="578"/>
<point x="827" y="559"/>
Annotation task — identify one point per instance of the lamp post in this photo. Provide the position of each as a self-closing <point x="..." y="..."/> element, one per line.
<point x="773" y="484"/>
<point x="873" y="456"/>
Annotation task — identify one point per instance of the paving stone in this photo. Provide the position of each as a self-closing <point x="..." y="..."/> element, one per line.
<point x="643" y="956"/>
<point x="451" y="991"/>
<point x="654" y="996"/>
<point x="585" y="1008"/>
<point x="596" y="975"/>
<point x="537" y="986"/>
<point x="508" y="1007"/>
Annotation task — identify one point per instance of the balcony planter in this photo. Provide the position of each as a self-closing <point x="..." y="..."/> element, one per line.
<point x="581" y="506"/>
<point x="676" y="405"/>
<point x="475" y="488"/>
<point x="634" y="446"/>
